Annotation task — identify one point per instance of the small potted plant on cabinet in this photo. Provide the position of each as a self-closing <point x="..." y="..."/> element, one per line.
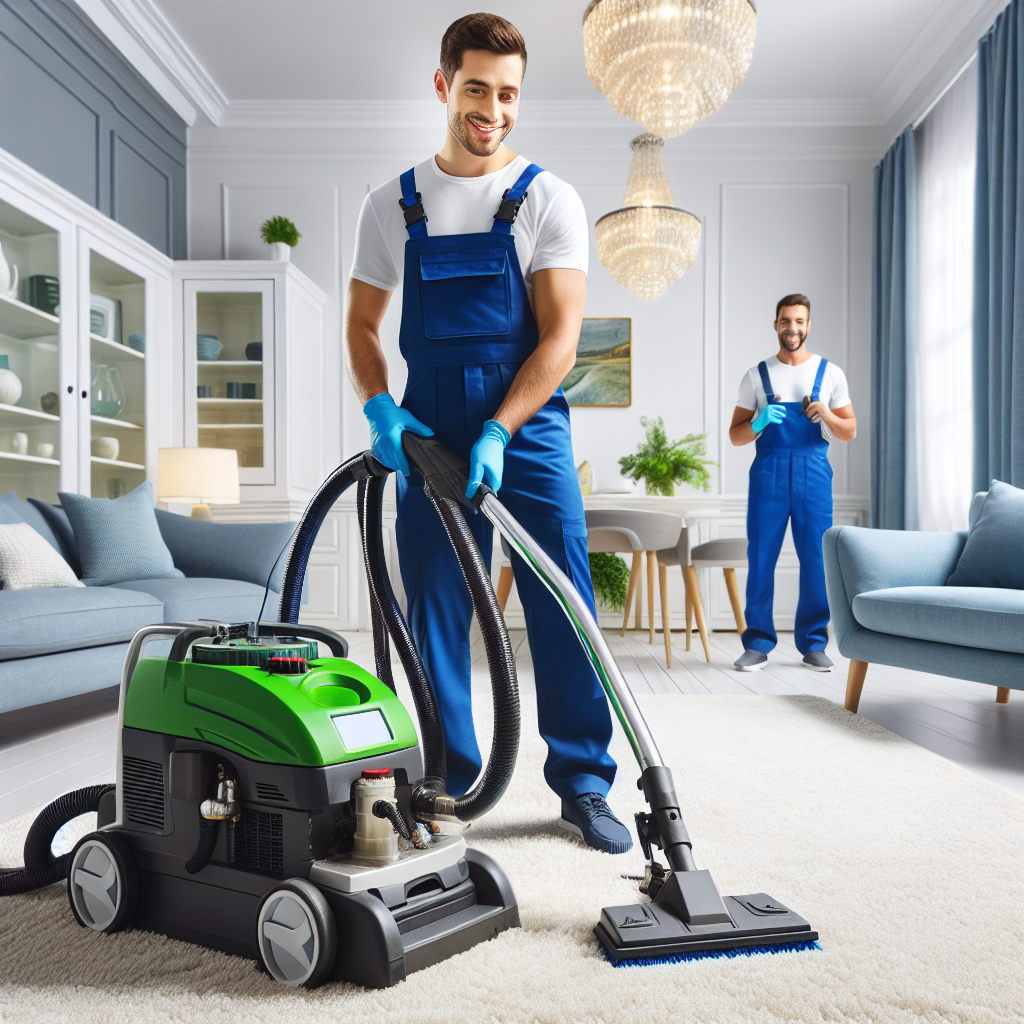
<point x="280" y="234"/>
<point x="662" y="464"/>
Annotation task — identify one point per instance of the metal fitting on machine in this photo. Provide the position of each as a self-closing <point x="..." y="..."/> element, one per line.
<point x="225" y="804"/>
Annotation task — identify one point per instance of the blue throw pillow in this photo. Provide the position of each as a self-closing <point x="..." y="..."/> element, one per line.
<point x="994" y="553"/>
<point x="118" y="538"/>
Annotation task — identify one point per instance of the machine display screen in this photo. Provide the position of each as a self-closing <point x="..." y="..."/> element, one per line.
<point x="363" y="729"/>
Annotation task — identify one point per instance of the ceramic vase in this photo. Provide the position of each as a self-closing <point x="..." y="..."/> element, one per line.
<point x="19" y="443"/>
<point x="280" y="252"/>
<point x="10" y="384"/>
<point x="107" y="391"/>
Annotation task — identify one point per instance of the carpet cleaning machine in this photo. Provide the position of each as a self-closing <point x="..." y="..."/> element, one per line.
<point x="275" y="804"/>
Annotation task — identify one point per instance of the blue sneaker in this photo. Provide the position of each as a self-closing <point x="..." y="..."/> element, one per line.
<point x="589" y="817"/>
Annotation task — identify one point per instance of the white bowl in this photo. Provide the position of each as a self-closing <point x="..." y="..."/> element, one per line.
<point x="105" y="447"/>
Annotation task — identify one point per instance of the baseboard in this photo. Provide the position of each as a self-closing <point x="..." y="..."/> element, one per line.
<point x="40" y="718"/>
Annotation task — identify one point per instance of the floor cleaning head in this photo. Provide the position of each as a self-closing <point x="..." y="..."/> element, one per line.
<point x="686" y="914"/>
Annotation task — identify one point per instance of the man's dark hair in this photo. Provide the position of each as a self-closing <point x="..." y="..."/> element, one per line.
<point x="792" y="300"/>
<point x="478" y="32"/>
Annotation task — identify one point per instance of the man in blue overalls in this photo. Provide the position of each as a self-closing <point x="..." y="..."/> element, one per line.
<point x="793" y="404"/>
<point x="493" y="253"/>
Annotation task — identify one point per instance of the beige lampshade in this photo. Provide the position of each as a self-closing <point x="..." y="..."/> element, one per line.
<point x="199" y="475"/>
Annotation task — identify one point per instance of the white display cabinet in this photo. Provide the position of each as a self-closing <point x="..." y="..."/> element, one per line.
<point x="253" y="341"/>
<point x="91" y="412"/>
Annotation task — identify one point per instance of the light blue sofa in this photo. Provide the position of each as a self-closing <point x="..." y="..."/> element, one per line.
<point x="64" y="642"/>
<point x="890" y="605"/>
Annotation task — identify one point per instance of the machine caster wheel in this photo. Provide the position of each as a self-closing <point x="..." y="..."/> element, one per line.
<point x="103" y="882"/>
<point x="296" y="934"/>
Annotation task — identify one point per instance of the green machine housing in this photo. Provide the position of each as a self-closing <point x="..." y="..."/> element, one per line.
<point x="293" y="731"/>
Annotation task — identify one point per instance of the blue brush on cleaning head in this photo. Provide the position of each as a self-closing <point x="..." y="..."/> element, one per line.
<point x="707" y="954"/>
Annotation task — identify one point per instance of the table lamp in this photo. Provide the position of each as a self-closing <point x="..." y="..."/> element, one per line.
<point x="203" y="476"/>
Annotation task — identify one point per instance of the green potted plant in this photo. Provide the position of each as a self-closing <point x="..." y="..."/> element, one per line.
<point x="280" y="234"/>
<point x="610" y="577"/>
<point x="662" y="463"/>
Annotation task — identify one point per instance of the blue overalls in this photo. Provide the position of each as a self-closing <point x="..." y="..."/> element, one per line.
<point x="467" y="327"/>
<point x="790" y="479"/>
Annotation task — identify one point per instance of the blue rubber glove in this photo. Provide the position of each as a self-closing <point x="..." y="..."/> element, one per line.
<point x="768" y="415"/>
<point x="387" y="423"/>
<point x="487" y="459"/>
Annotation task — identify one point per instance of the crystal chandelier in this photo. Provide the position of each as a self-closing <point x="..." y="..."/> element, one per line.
<point x="648" y="243"/>
<point x="668" y="63"/>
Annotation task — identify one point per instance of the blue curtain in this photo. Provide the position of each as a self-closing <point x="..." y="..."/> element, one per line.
<point x="894" y="339"/>
<point x="999" y="256"/>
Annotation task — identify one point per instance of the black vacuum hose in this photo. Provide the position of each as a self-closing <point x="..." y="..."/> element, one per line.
<point x="386" y="809"/>
<point x="435" y="771"/>
<point x="204" y="848"/>
<point x="41" y="867"/>
<point x="381" y="644"/>
<point x="309" y="526"/>
<point x="501" y="666"/>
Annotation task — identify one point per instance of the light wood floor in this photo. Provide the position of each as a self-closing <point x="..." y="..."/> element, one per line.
<point x="959" y="720"/>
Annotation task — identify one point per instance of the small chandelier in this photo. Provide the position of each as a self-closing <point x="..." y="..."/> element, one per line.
<point x="668" y="63"/>
<point x="648" y="243"/>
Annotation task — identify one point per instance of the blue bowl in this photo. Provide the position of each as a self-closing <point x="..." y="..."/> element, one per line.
<point x="208" y="346"/>
<point x="137" y="342"/>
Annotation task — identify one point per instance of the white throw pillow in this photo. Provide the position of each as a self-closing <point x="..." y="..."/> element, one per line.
<point x="27" y="562"/>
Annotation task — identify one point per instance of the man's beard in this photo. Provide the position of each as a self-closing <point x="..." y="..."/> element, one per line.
<point x="478" y="147"/>
<point x="788" y="345"/>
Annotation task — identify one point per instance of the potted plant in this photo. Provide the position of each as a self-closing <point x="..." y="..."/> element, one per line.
<point x="662" y="463"/>
<point x="610" y="577"/>
<point x="280" y="234"/>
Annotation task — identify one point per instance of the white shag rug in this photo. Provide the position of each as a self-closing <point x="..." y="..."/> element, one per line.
<point x="908" y="866"/>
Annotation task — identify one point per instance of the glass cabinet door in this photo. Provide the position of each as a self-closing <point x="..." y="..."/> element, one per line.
<point x="117" y="376"/>
<point x="30" y="383"/>
<point x="229" y="350"/>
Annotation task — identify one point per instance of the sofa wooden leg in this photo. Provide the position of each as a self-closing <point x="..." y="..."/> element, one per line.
<point x="1002" y="695"/>
<point x="855" y="683"/>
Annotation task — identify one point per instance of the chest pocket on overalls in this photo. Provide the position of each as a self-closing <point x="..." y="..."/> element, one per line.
<point x="465" y="293"/>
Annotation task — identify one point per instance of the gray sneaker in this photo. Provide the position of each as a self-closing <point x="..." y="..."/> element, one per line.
<point x="818" y="661"/>
<point x="750" y="661"/>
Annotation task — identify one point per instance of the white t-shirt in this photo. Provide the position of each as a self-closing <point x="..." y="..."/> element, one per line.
<point x="550" y="231"/>
<point x="792" y="383"/>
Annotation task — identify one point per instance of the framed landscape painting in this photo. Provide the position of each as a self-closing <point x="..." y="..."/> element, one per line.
<point x="602" y="373"/>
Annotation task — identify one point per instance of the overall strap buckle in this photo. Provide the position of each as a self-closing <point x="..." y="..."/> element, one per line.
<point x="412" y="205"/>
<point x="508" y="209"/>
<point x="413" y="213"/>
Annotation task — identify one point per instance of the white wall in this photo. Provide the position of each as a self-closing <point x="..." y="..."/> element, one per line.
<point x="777" y="217"/>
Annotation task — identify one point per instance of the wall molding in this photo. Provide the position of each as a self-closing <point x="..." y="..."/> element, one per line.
<point x="694" y="150"/>
<point x="148" y="40"/>
<point x="160" y="54"/>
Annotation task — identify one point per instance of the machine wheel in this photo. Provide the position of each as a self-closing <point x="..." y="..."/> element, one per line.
<point x="103" y="882"/>
<point x="296" y="934"/>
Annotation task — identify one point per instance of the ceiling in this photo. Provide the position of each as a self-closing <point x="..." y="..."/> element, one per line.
<point x="349" y="49"/>
<point x="870" y="56"/>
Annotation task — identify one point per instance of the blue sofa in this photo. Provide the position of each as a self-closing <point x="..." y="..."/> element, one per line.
<point x="63" y="642"/>
<point x="890" y="605"/>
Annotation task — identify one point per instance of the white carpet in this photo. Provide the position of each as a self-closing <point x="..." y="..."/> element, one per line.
<point x="908" y="866"/>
